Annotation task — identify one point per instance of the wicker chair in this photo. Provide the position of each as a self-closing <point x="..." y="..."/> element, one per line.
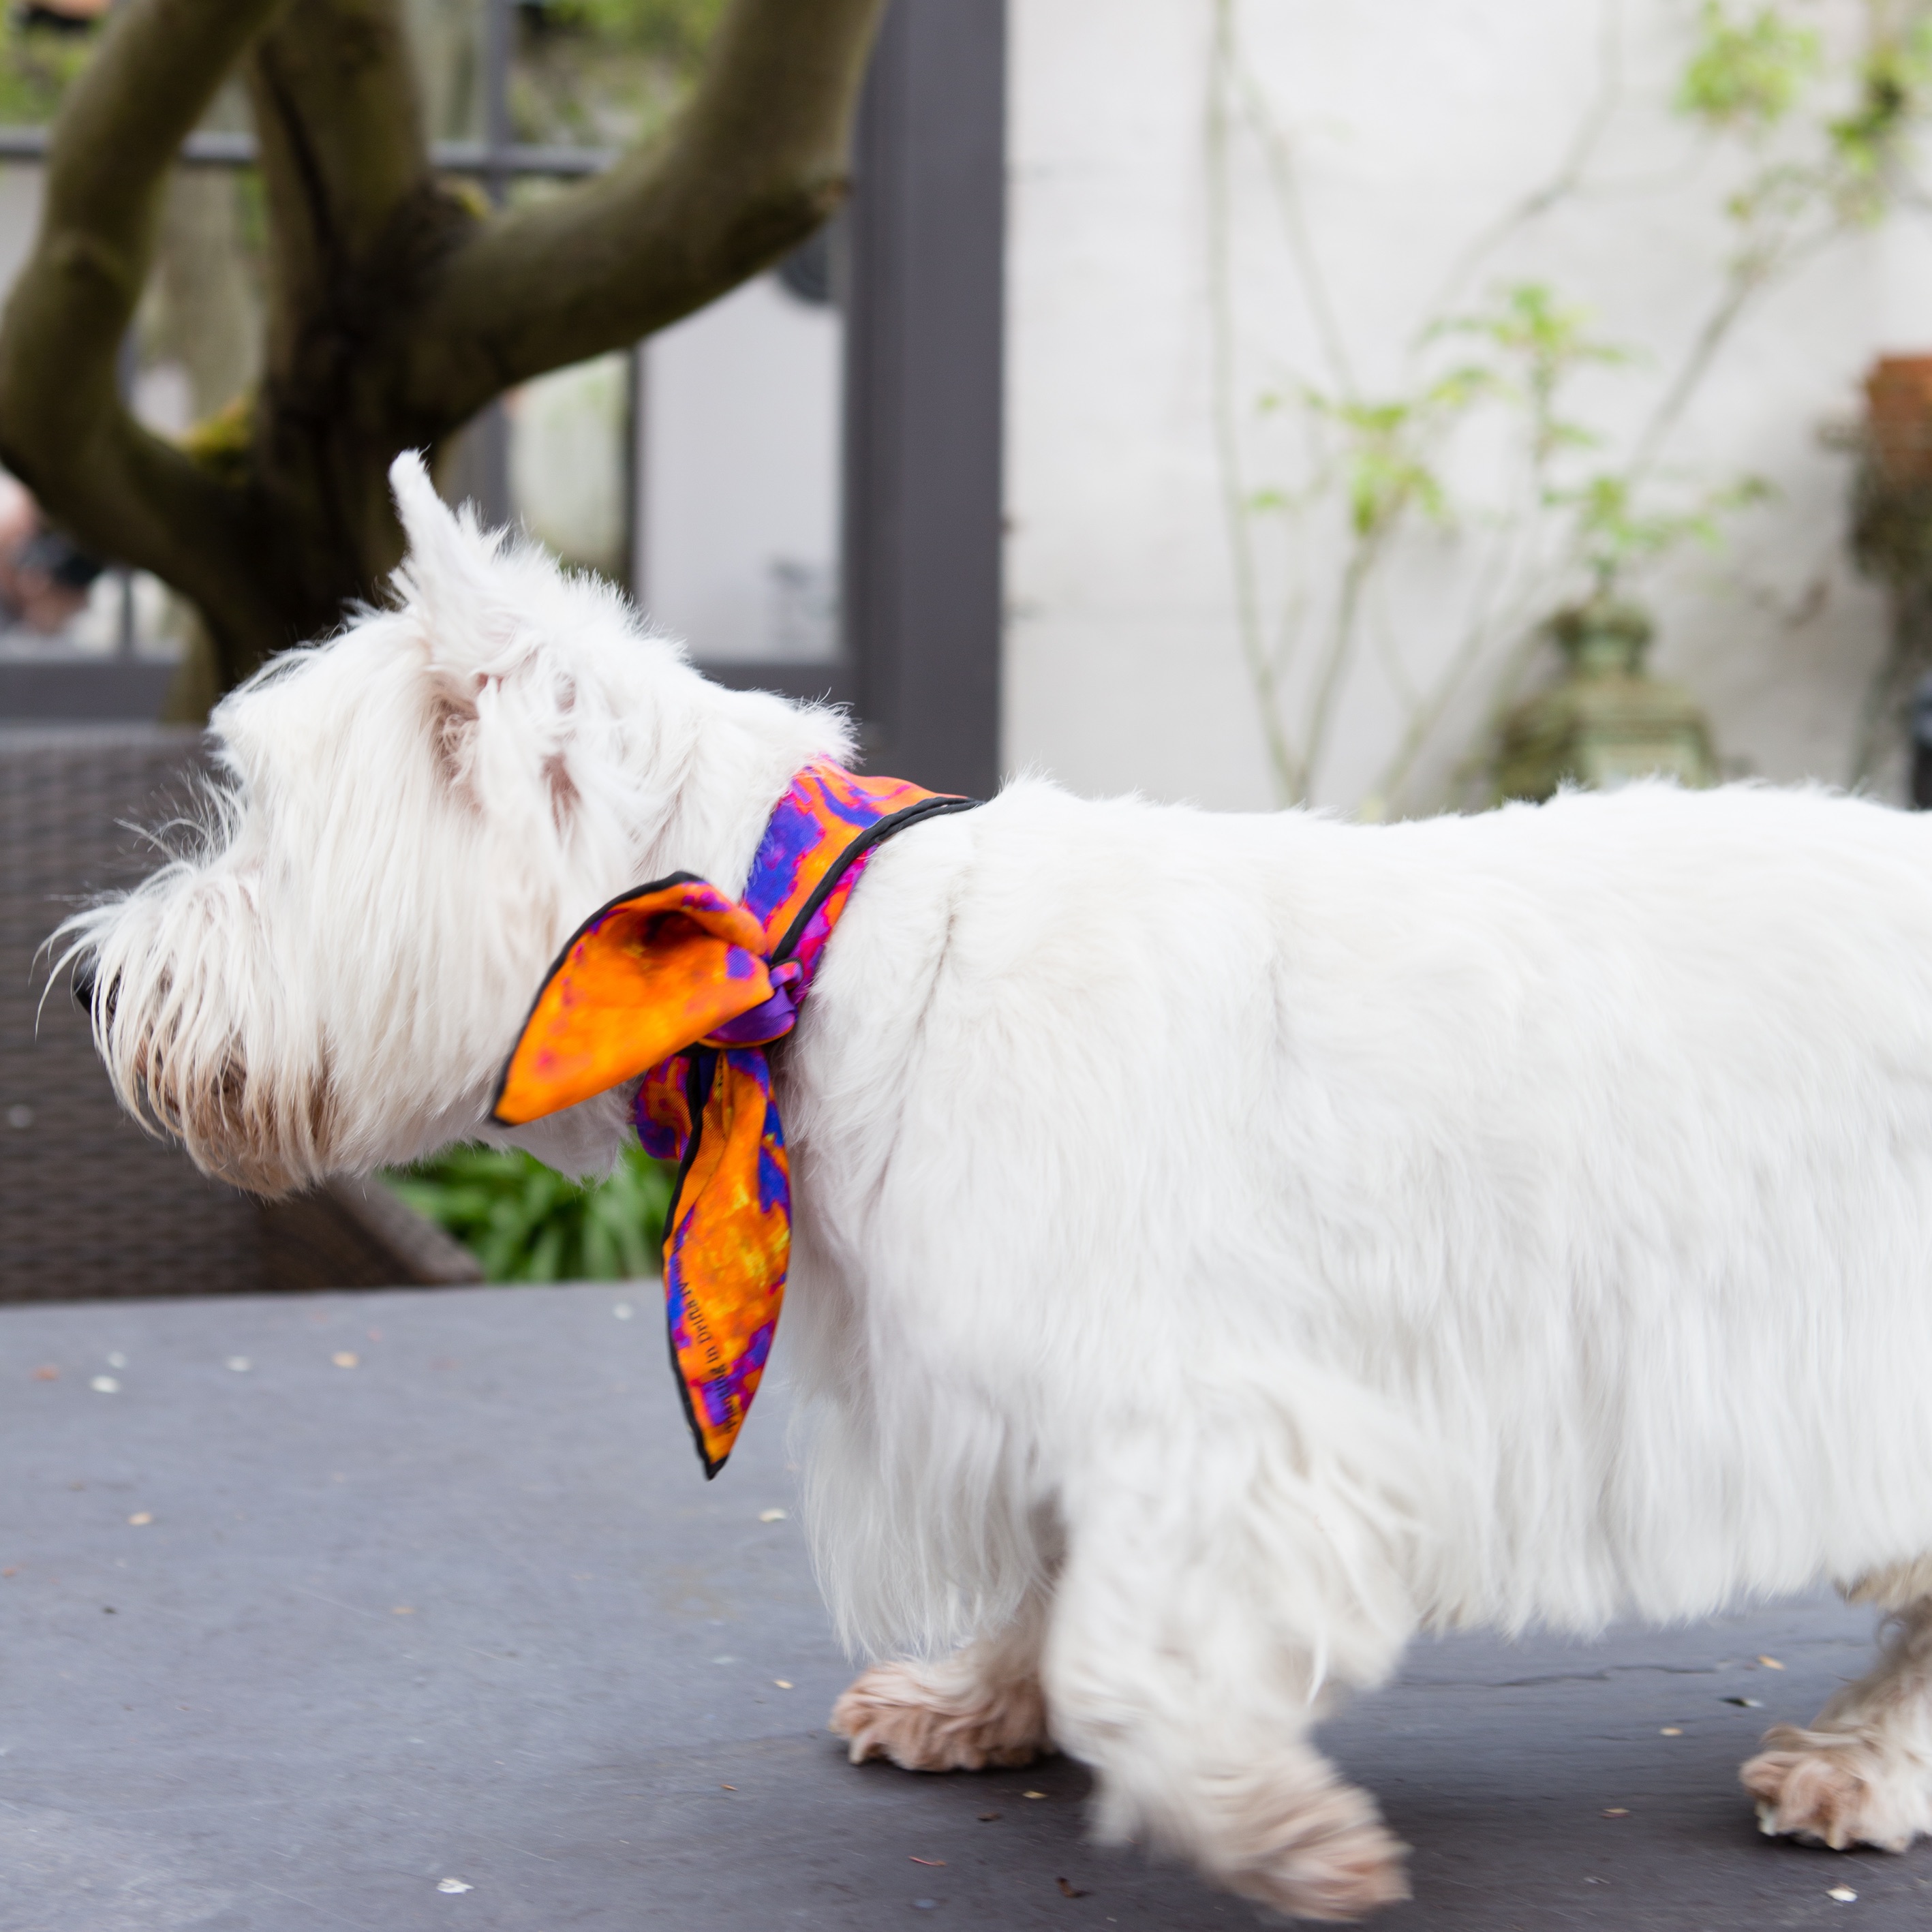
<point x="90" y="1207"/>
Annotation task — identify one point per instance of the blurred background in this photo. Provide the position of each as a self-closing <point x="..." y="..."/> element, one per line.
<point x="720" y="470"/>
<point x="1349" y="345"/>
<point x="702" y="469"/>
<point x="1397" y="407"/>
<point x="1343" y="348"/>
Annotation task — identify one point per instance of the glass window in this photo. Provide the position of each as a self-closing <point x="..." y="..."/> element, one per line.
<point x="450" y="41"/>
<point x="569" y="479"/>
<point x="739" y="537"/>
<point x="704" y="471"/>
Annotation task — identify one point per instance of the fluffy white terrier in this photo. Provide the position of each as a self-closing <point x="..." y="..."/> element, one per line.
<point x="1225" y="1246"/>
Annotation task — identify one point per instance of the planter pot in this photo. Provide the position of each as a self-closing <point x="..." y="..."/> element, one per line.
<point x="1606" y="720"/>
<point x="1898" y="420"/>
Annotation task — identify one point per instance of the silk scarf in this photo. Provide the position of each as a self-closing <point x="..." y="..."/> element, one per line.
<point x="691" y="989"/>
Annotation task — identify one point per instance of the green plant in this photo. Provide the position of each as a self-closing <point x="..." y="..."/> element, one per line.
<point x="525" y="1222"/>
<point x="1469" y="469"/>
<point x="1616" y="534"/>
<point x="1382" y="458"/>
<point x="1746" y="73"/>
<point x="676" y="31"/>
<point x="37" y="62"/>
<point x="1567" y="527"/>
<point x="1538" y="341"/>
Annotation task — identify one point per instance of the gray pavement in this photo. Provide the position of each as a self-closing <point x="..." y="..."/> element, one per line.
<point x="295" y="1645"/>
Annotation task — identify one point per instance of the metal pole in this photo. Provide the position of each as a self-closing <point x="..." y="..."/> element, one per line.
<point x="636" y="426"/>
<point x="125" y="368"/>
<point x="497" y="25"/>
<point x="492" y="427"/>
<point x="921" y="588"/>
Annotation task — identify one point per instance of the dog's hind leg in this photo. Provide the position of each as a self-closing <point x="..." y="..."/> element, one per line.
<point x="981" y="1706"/>
<point x="1862" y="1773"/>
<point x="1193" y="1644"/>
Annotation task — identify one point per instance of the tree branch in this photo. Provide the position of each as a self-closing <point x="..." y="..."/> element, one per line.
<point x="354" y="217"/>
<point x="754" y="163"/>
<point x="339" y="119"/>
<point x="64" y="428"/>
<point x="396" y="310"/>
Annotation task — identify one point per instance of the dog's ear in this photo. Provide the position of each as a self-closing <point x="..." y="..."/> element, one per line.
<point x="441" y="584"/>
<point x="448" y="555"/>
<point x="450" y="576"/>
<point x="467" y="592"/>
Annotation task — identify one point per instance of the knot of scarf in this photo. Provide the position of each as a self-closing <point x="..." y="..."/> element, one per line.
<point x="686" y="990"/>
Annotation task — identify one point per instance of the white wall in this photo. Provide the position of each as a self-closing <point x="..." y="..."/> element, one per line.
<point x="566" y="461"/>
<point x="1412" y="125"/>
<point x="741" y="430"/>
<point x="19" y="216"/>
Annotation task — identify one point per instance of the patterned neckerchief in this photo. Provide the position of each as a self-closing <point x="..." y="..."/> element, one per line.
<point x="690" y="989"/>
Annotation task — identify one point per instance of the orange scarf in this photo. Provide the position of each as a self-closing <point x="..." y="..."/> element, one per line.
<point x="689" y="989"/>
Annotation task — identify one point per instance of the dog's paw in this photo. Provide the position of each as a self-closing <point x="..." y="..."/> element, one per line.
<point x="1331" y="1857"/>
<point x="930" y="1719"/>
<point x="1837" y="1789"/>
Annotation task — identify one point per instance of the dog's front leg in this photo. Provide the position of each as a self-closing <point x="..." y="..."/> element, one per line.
<point x="1862" y="1773"/>
<point x="981" y="1706"/>
<point x="1195" y="1637"/>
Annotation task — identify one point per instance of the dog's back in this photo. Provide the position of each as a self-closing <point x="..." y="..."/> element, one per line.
<point x="1564" y="1175"/>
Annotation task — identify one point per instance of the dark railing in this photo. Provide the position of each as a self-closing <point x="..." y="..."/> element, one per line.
<point x="213" y="148"/>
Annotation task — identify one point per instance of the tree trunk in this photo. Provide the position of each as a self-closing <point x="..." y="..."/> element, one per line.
<point x="397" y="306"/>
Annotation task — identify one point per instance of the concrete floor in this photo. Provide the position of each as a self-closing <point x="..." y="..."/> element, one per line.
<point x="295" y="1645"/>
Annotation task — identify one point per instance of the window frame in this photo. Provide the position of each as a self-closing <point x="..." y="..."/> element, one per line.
<point x="923" y="296"/>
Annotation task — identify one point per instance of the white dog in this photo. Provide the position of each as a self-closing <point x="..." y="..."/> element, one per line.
<point x="1226" y="1246"/>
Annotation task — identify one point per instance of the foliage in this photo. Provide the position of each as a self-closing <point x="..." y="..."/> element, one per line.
<point x="606" y="70"/>
<point x="1867" y="144"/>
<point x="1541" y="341"/>
<point x="1747" y="78"/>
<point x="675" y="32"/>
<point x="524" y="1222"/>
<point x="1616" y="534"/>
<point x="1746" y="73"/>
<point x="37" y="61"/>
<point x="1576" y="527"/>
<point x="1386" y="470"/>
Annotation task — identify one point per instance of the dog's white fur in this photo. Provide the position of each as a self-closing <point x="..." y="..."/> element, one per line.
<point x="1225" y="1245"/>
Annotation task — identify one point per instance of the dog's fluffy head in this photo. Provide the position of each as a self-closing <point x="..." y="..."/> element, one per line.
<point x="406" y="823"/>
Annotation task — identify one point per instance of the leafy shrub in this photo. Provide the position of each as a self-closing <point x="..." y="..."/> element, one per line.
<point x="525" y="1222"/>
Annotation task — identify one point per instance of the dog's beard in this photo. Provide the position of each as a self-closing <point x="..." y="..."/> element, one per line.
<point x="245" y="1083"/>
<point x="278" y="1046"/>
<point x="408" y="820"/>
